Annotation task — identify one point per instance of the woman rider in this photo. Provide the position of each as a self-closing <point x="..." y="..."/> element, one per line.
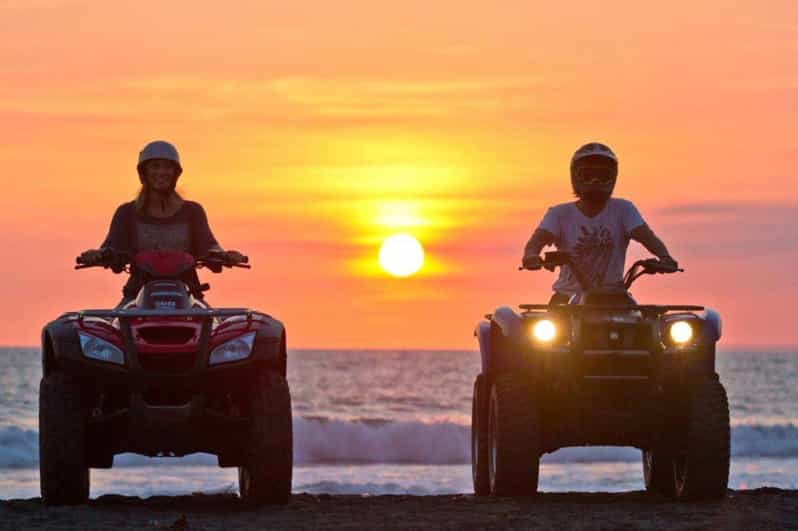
<point x="158" y="219"/>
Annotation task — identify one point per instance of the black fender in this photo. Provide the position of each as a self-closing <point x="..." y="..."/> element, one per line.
<point x="59" y="340"/>
<point x="270" y="345"/>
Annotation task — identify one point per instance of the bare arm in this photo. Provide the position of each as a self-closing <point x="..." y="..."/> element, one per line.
<point x="540" y="239"/>
<point x="646" y="237"/>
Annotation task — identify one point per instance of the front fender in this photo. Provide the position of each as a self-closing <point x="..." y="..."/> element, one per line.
<point x="500" y="339"/>
<point x="712" y="326"/>
<point x="59" y="341"/>
<point x="483" y="337"/>
<point x="509" y="322"/>
<point x="270" y="345"/>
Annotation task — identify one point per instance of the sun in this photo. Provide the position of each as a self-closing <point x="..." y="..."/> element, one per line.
<point x="401" y="255"/>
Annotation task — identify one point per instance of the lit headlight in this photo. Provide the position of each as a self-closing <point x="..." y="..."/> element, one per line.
<point x="234" y="350"/>
<point x="544" y="330"/>
<point x="681" y="332"/>
<point x="99" y="349"/>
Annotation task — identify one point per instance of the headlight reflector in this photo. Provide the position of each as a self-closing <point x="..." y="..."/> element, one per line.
<point x="234" y="350"/>
<point x="99" y="349"/>
<point x="681" y="332"/>
<point x="544" y="330"/>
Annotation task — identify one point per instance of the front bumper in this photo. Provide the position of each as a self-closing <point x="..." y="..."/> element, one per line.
<point x="187" y="371"/>
<point x="166" y="403"/>
<point x="602" y="383"/>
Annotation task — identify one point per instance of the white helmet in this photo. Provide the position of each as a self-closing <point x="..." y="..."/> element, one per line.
<point x="159" y="149"/>
<point x="593" y="149"/>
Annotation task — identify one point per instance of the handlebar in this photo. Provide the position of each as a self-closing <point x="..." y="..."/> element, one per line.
<point x="117" y="261"/>
<point x="650" y="266"/>
<point x="120" y="261"/>
<point x="216" y="261"/>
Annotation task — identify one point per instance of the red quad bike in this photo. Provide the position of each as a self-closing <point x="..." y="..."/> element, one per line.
<point x="601" y="370"/>
<point x="165" y="375"/>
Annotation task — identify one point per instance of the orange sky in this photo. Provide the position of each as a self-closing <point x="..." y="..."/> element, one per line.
<point x="312" y="131"/>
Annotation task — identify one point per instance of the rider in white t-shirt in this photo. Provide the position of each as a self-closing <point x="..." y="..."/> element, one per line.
<point x="595" y="230"/>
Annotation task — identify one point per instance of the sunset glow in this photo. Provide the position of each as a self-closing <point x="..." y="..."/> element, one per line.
<point x="312" y="133"/>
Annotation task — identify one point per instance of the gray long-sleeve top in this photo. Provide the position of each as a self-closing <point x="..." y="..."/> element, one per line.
<point x="132" y="231"/>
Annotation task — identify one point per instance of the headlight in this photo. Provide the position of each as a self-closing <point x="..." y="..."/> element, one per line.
<point x="544" y="330"/>
<point x="234" y="350"/>
<point x="681" y="332"/>
<point x="99" y="349"/>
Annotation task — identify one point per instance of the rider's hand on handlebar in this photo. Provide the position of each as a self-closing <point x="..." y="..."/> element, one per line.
<point x="669" y="262"/>
<point x="90" y="257"/>
<point x="532" y="262"/>
<point x="234" y="257"/>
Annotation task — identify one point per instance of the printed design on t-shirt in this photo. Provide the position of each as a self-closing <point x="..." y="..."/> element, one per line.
<point x="592" y="253"/>
<point x="167" y="237"/>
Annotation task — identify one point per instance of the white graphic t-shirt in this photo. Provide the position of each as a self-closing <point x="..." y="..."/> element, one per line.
<point x="597" y="245"/>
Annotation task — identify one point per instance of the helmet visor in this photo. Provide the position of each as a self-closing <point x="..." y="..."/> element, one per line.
<point x="595" y="174"/>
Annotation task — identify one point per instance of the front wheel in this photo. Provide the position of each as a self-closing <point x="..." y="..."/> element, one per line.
<point x="479" y="437"/>
<point x="701" y="471"/>
<point x="63" y="470"/>
<point x="513" y="438"/>
<point x="265" y="476"/>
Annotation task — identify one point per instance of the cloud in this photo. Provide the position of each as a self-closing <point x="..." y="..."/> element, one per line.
<point x="745" y="232"/>
<point x="294" y="99"/>
<point x="781" y="211"/>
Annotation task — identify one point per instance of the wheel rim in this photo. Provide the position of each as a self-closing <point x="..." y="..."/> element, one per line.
<point x="475" y="438"/>
<point x="648" y="461"/>
<point x="492" y="445"/>
<point x="680" y="473"/>
<point x="243" y="482"/>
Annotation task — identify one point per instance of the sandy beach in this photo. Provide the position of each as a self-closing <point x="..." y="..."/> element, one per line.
<point x="765" y="508"/>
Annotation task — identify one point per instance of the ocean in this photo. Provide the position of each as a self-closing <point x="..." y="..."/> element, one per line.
<point x="398" y="422"/>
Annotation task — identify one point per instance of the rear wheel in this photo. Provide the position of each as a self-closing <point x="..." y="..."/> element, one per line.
<point x="63" y="470"/>
<point x="479" y="437"/>
<point x="513" y="438"/>
<point x="658" y="472"/>
<point x="701" y="471"/>
<point x="265" y="477"/>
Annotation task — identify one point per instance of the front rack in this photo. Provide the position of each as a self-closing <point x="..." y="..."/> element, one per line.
<point x="648" y="309"/>
<point x="125" y="316"/>
<point x="192" y="312"/>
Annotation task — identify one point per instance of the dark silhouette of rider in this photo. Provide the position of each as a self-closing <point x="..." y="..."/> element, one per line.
<point x="594" y="230"/>
<point x="158" y="219"/>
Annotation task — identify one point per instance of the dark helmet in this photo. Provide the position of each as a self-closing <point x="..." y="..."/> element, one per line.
<point x="594" y="171"/>
<point x="159" y="149"/>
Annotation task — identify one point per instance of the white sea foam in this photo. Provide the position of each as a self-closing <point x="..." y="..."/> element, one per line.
<point x="331" y="441"/>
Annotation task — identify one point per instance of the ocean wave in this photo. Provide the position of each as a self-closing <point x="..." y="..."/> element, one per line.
<point x="374" y="441"/>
